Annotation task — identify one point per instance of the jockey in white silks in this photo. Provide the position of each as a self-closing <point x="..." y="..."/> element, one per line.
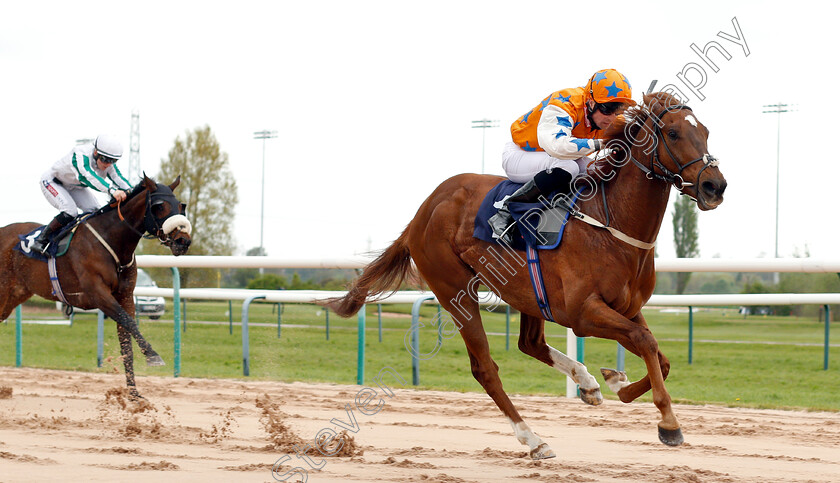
<point x="66" y="185"/>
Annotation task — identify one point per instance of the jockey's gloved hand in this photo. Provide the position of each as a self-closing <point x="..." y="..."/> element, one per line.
<point x="117" y="194"/>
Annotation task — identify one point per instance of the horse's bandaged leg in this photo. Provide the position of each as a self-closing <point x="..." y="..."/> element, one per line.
<point x="539" y="450"/>
<point x="616" y="380"/>
<point x="590" y="390"/>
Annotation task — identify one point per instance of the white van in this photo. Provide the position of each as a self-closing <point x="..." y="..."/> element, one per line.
<point x="153" y="307"/>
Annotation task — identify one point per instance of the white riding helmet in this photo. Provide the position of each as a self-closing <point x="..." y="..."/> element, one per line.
<point x="108" y="146"/>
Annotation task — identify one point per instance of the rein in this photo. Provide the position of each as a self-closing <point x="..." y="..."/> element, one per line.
<point x="667" y="176"/>
<point x="122" y="218"/>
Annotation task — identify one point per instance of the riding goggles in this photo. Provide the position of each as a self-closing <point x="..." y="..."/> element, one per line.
<point x="609" y="108"/>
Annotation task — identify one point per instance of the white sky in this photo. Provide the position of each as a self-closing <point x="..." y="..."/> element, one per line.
<point x="373" y="102"/>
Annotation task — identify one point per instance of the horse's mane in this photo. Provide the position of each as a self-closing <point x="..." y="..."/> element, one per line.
<point x="138" y="188"/>
<point x="627" y="126"/>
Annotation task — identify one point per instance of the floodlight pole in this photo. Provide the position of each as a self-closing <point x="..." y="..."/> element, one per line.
<point x="263" y="135"/>
<point x="483" y="124"/>
<point x="777" y="109"/>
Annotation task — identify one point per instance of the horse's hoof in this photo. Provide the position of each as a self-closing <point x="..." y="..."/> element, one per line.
<point x="591" y="396"/>
<point x="155" y="360"/>
<point x="616" y="380"/>
<point x="611" y="375"/>
<point x="671" y="437"/>
<point x="542" y="452"/>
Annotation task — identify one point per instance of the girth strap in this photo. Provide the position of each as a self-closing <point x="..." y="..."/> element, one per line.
<point x="56" y="286"/>
<point x="537" y="282"/>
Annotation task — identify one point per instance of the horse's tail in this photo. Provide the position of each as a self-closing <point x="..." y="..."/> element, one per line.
<point x="380" y="278"/>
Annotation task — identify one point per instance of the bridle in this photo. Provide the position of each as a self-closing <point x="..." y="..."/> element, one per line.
<point x="667" y="175"/>
<point x="154" y="226"/>
<point x="664" y="174"/>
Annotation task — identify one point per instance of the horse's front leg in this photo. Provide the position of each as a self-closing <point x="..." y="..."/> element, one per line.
<point x="629" y="391"/>
<point x="116" y="311"/>
<point x="619" y="383"/>
<point x="599" y="320"/>
<point x="532" y="342"/>
<point x="127" y="352"/>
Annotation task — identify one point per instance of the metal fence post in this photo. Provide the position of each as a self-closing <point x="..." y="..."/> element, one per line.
<point x="571" y="352"/>
<point x="507" y="327"/>
<point x="581" y="347"/>
<point x="415" y="338"/>
<point x="619" y="357"/>
<point x="246" y="358"/>
<point x="18" y="338"/>
<point x="176" y="320"/>
<point x="230" y="317"/>
<point x="360" y="352"/>
<point x="827" y="324"/>
<point x="327" y="311"/>
<point x="100" y="337"/>
<point x="690" y="334"/>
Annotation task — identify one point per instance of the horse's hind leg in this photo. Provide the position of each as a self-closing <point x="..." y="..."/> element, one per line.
<point x="14" y="296"/>
<point x="484" y="369"/>
<point x="532" y="342"/>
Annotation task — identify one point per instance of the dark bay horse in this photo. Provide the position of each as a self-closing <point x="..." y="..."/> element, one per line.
<point x="99" y="269"/>
<point x="596" y="283"/>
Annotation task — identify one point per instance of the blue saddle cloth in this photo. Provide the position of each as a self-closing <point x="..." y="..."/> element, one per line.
<point x="57" y="247"/>
<point x="538" y="225"/>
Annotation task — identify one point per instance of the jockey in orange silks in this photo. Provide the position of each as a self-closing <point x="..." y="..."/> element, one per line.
<point x="551" y="142"/>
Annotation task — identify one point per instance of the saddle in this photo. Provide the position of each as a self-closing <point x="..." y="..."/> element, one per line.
<point x="538" y="225"/>
<point x="59" y="243"/>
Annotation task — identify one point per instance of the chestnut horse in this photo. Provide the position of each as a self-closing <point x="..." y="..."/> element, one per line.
<point x="99" y="269"/>
<point x="596" y="283"/>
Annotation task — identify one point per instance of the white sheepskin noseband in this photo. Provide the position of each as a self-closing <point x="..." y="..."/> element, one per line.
<point x="179" y="222"/>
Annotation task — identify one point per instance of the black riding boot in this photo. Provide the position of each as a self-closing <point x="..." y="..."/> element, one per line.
<point x="42" y="241"/>
<point x="544" y="182"/>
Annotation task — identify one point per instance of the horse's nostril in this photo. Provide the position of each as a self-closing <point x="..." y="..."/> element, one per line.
<point x="714" y="187"/>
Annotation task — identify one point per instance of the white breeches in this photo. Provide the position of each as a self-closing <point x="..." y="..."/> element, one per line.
<point x="67" y="200"/>
<point x="521" y="166"/>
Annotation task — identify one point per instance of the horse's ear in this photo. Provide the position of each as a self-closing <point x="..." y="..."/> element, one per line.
<point x="149" y="183"/>
<point x="175" y="183"/>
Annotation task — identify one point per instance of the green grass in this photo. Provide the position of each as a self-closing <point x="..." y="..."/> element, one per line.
<point x="745" y="373"/>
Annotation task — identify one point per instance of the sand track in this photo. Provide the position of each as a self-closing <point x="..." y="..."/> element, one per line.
<point x="76" y="426"/>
